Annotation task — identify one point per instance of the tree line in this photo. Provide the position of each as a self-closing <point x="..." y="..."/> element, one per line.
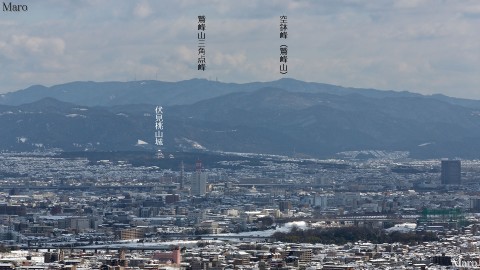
<point x="343" y="235"/>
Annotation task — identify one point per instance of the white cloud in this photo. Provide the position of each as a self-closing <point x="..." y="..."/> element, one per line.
<point x="38" y="45"/>
<point x="408" y="3"/>
<point x="231" y="60"/>
<point x="142" y="10"/>
<point x="186" y="54"/>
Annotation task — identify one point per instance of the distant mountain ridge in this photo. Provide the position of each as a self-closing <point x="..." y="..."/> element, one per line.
<point x="185" y="92"/>
<point x="322" y="124"/>
<point x="265" y="120"/>
<point x="49" y="123"/>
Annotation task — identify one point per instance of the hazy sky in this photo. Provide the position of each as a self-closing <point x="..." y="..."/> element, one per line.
<point x="426" y="46"/>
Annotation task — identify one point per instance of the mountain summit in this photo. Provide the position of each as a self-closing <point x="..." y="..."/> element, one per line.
<point x="279" y="117"/>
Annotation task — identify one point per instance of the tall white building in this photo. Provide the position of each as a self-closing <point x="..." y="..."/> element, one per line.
<point x="199" y="181"/>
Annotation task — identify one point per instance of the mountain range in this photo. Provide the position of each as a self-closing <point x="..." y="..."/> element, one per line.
<point x="279" y="117"/>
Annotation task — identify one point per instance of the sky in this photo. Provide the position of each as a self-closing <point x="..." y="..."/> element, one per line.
<point x="423" y="46"/>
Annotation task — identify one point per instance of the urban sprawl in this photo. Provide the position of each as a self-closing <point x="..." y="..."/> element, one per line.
<point x="363" y="210"/>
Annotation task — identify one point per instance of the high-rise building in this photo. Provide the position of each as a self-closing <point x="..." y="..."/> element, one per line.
<point x="284" y="206"/>
<point x="182" y="176"/>
<point x="475" y="203"/>
<point x="199" y="181"/>
<point x="451" y="172"/>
